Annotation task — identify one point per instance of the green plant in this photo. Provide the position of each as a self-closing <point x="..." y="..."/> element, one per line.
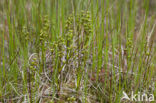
<point x="83" y="51"/>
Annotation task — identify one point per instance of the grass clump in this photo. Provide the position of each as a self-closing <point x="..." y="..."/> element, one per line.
<point x="76" y="51"/>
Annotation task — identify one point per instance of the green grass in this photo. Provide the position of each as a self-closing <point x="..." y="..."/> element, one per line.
<point x="83" y="51"/>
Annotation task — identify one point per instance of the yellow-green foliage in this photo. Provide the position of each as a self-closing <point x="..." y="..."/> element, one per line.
<point x="79" y="26"/>
<point x="24" y="36"/>
<point x="44" y="33"/>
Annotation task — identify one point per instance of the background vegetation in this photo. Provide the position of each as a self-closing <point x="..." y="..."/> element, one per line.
<point x="76" y="51"/>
